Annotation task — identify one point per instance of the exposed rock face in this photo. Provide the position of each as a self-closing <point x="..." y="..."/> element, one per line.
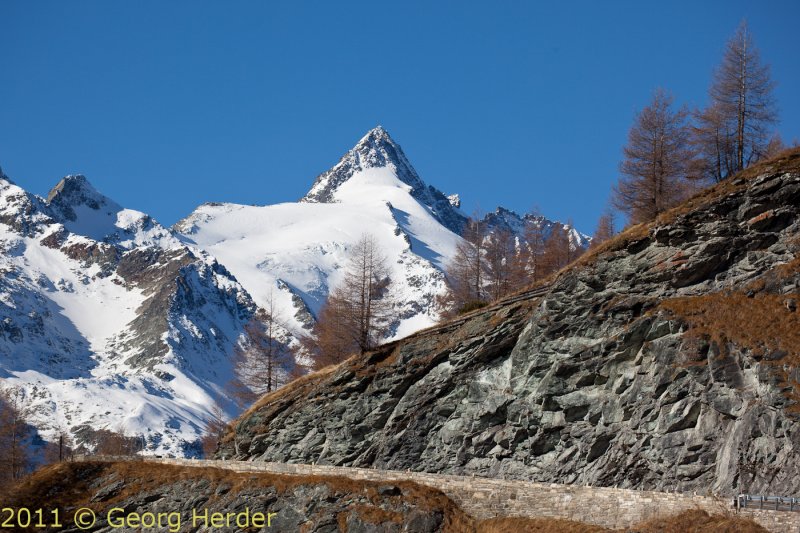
<point x="665" y="360"/>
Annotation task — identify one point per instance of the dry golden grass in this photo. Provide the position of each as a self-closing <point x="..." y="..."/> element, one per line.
<point x="699" y="522"/>
<point x="536" y="525"/>
<point x="761" y="323"/>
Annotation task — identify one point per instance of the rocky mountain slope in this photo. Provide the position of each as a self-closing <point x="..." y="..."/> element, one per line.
<point x="666" y="359"/>
<point x="109" y="321"/>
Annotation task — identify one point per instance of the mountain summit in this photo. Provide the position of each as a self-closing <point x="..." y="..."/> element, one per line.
<point x="290" y="255"/>
<point x="378" y="150"/>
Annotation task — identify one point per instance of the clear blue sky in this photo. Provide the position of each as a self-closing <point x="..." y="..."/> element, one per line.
<point x="165" y="105"/>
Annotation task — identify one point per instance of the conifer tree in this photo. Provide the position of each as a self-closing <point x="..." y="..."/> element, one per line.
<point x="605" y="229"/>
<point x="357" y="314"/>
<point x="655" y="164"/>
<point x="15" y="459"/>
<point x="733" y="132"/>
<point x="466" y="271"/>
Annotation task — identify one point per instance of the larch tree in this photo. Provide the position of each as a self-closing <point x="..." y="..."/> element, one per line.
<point x="742" y="89"/>
<point x="712" y="137"/>
<point x="535" y="238"/>
<point x="14" y="434"/>
<point x="774" y="146"/>
<point x="466" y="270"/>
<point x="264" y="361"/>
<point x="333" y="341"/>
<point x="59" y="450"/>
<point x="557" y="252"/>
<point x="605" y="229"/>
<point x="214" y="431"/>
<point x="358" y="312"/>
<point x="115" y="442"/>
<point x="500" y="262"/>
<point x="655" y="163"/>
<point x="573" y="250"/>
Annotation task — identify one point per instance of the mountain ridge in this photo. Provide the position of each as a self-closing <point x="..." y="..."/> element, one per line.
<point x="101" y="301"/>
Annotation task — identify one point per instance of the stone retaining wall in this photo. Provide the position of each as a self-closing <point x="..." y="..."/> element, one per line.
<point x="488" y="498"/>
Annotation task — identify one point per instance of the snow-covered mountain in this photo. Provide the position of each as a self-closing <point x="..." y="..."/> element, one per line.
<point x="506" y="220"/>
<point x="109" y="320"/>
<point x="295" y="252"/>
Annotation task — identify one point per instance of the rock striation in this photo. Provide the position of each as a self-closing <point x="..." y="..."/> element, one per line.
<point x="666" y="359"/>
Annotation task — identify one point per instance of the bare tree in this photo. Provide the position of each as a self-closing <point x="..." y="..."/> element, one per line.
<point x="654" y="168"/>
<point x="214" y="431"/>
<point x="574" y="250"/>
<point x="774" y="146"/>
<point x="501" y="255"/>
<point x="466" y="270"/>
<point x="365" y="293"/>
<point x="358" y="311"/>
<point x="264" y="361"/>
<point x="333" y="342"/>
<point x="59" y="450"/>
<point x="14" y="433"/>
<point x="557" y="251"/>
<point x="713" y="141"/>
<point x="535" y="239"/>
<point x="605" y="229"/>
<point x="742" y="105"/>
<point x="111" y="442"/>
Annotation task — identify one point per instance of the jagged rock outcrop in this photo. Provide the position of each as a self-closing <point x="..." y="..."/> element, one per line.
<point x="666" y="359"/>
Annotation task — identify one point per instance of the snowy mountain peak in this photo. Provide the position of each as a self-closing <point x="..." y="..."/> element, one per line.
<point x="377" y="150"/>
<point x="85" y="211"/>
<point x="376" y="134"/>
<point x="75" y="191"/>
